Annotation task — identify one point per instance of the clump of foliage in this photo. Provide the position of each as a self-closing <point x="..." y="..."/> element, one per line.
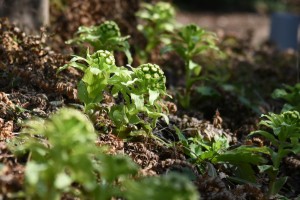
<point x="157" y="20"/>
<point x="291" y="94"/>
<point x="142" y="89"/>
<point x="238" y="161"/>
<point x="284" y="134"/>
<point x="62" y="153"/>
<point x="65" y="161"/>
<point x="105" y="36"/>
<point x="170" y="186"/>
<point x="190" y="42"/>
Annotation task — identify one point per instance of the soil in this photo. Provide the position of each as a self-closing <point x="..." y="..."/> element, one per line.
<point x="30" y="87"/>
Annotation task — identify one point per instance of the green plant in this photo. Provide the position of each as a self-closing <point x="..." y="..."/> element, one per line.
<point x="63" y="155"/>
<point x="64" y="160"/>
<point x="291" y="94"/>
<point x="141" y="89"/>
<point x="190" y="42"/>
<point x="238" y="161"/>
<point x="105" y="36"/>
<point x="171" y="186"/>
<point x="284" y="138"/>
<point x="157" y="20"/>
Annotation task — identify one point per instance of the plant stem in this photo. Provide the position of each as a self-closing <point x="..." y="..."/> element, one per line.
<point x="187" y="92"/>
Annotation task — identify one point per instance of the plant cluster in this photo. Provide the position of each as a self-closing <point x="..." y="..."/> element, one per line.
<point x="283" y="133"/>
<point x="64" y="161"/>
<point x="190" y="42"/>
<point x="105" y="36"/>
<point x="284" y="136"/>
<point x="157" y="21"/>
<point x="239" y="161"/>
<point x="291" y="94"/>
<point x="141" y="89"/>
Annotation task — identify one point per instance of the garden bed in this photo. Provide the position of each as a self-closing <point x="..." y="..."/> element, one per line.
<point x="206" y="141"/>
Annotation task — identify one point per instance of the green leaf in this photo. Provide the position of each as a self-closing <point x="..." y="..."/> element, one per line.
<point x="264" y="168"/>
<point x="128" y="55"/>
<point x="246" y="172"/>
<point x="194" y="67"/>
<point x="278" y="184"/>
<point x="117" y="166"/>
<point x="83" y="93"/>
<point x="234" y="157"/>
<point x="62" y="181"/>
<point x="32" y="172"/>
<point x="94" y="70"/>
<point x="211" y="170"/>
<point x="62" y="68"/>
<point x="181" y="137"/>
<point x="138" y="101"/>
<point x="157" y="115"/>
<point x="207" y="91"/>
<point x="296" y="148"/>
<point x="170" y="186"/>
<point x="279" y="93"/>
<point x="153" y="96"/>
<point x="118" y="115"/>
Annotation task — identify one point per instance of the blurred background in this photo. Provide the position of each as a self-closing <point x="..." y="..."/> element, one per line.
<point x="247" y="19"/>
<point x="250" y="19"/>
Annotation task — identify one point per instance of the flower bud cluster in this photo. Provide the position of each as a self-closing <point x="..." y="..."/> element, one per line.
<point x="152" y="75"/>
<point x="110" y="29"/>
<point x="107" y="56"/>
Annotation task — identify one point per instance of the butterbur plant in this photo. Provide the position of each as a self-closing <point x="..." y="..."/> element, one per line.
<point x="284" y="134"/>
<point x="239" y="160"/>
<point x="105" y="36"/>
<point x="157" y="20"/>
<point x="189" y="42"/>
<point x="141" y="89"/>
<point x="146" y="90"/>
<point x="291" y="94"/>
<point x="65" y="162"/>
<point x="63" y="155"/>
<point x="97" y="68"/>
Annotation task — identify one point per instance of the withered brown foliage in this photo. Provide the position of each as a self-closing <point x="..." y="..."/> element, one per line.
<point x="28" y="58"/>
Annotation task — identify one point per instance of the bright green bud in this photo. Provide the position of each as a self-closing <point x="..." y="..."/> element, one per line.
<point x="147" y="76"/>
<point x="153" y="75"/>
<point x="107" y="56"/>
<point x="110" y="29"/>
<point x="145" y="69"/>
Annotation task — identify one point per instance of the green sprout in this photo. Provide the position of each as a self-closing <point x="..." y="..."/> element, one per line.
<point x="190" y="42"/>
<point x="105" y="36"/>
<point x="291" y="94"/>
<point x="239" y="160"/>
<point x="284" y="138"/>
